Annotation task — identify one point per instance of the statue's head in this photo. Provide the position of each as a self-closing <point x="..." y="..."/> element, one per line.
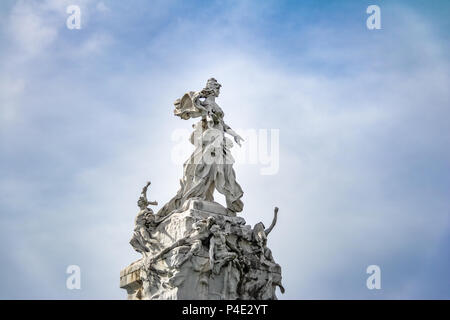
<point x="259" y="226"/>
<point x="214" y="229"/>
<point x="259" y="232"/>
<point x="212" y="88"/>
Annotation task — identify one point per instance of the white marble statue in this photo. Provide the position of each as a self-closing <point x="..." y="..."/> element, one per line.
<point x="195" y="248"/>
<point x="210" y="167"/>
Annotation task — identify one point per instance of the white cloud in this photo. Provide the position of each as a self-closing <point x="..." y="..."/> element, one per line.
<point x="349" y="188"/>
<point x="102" y="7"/>
<point x="95" y="44"/>
<point x="29" y="30"/>
<point x="10" y="91"/>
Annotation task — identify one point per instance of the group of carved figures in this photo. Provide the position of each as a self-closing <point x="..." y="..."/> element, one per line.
<point x="244" y="257"/>
<point x="218" y="242"/>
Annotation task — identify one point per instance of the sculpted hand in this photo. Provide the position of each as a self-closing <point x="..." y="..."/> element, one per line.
<point x="238" y="139"/>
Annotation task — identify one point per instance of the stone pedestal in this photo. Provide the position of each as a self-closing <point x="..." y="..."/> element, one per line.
<point x="202" y="252"/>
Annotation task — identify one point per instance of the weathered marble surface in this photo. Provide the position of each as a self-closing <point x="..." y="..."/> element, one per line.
<point x="204" y="254"/>
<point x="193" y="247"/>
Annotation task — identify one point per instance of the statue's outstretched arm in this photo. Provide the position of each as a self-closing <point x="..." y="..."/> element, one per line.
<point x="231" y="132"/>
<point x="274" y="221"/>
<point x="144" y="190"/>
<point x="144" y="195"/>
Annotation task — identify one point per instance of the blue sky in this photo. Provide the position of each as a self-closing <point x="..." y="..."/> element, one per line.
<point x="86" y="118"/>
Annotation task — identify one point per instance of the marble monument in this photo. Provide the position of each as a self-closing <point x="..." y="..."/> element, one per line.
<point x="193" y="247"/>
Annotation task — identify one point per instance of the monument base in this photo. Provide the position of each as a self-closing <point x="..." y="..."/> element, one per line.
<point x="202" y="252"/>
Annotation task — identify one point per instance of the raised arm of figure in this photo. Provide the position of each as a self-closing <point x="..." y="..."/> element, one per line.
<point x="274" y="221"/>
<point x="144" y="191"/>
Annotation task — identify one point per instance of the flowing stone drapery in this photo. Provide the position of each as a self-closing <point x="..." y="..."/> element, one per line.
<point x="210" y="167"/>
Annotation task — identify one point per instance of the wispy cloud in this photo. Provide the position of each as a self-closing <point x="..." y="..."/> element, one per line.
<point x="362" y="116"/>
